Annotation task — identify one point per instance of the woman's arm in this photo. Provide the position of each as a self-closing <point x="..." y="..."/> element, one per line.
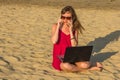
<point x="55" y="33"/>
<point x="74" y="38"/>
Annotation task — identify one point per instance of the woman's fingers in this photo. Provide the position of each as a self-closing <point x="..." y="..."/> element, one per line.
<point x="59" y="23"/>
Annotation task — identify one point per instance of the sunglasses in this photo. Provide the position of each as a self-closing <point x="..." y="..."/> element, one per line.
<point x="68" y="18"/>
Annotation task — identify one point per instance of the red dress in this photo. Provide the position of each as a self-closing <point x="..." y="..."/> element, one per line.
<point x="59" y="48"/>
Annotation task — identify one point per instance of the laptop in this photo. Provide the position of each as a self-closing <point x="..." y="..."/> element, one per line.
<point x="77" y="54"/>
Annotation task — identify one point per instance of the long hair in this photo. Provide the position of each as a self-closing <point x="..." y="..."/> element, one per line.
<point x="76" y="23"/>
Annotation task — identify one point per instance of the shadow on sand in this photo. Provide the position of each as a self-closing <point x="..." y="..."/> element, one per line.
<point x="102" y="56"/>
<point x="100" y="43"/>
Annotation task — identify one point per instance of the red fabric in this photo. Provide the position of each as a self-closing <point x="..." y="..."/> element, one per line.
<point x="59" y="48"/>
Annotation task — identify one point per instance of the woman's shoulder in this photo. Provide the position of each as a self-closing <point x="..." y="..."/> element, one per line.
<point x="54" y="25"/>
<point x="75" y="32"/>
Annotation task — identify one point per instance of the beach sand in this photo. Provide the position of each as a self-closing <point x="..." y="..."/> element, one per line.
<point x="25" y="32"/>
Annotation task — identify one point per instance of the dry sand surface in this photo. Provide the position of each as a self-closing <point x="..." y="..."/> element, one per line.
<point x="25" y="31"/>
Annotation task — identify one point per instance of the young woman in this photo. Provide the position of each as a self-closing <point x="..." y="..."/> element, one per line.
<point x="65" y="34"/>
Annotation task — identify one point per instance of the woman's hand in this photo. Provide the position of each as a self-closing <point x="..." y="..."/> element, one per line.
<point x="59" y="23"/>
<point x="70" y="25"/>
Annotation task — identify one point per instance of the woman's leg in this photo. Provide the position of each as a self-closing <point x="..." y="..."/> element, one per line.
<point x="69" y="67"/>
<point x="97" y="66"/>
<point x="87" y="65"/>
<point x="83" y="65"/>
<point x="80" y="66"/>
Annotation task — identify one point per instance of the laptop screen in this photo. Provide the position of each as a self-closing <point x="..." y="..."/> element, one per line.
<point x="77" y="54"/>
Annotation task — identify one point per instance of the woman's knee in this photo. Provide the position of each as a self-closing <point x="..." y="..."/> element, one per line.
<point x="83" y="65"/>
<point x="66" y="66"/>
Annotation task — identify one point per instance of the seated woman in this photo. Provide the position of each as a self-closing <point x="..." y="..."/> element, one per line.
<point x="65" y="34"/>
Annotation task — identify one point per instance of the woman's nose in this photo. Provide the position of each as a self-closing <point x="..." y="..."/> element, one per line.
<point x="65" y="20"/>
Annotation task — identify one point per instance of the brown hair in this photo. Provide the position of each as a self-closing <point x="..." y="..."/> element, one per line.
<point x="76" y="23"/>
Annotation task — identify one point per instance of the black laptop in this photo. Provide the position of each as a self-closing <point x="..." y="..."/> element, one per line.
<point x="76" y="54"/>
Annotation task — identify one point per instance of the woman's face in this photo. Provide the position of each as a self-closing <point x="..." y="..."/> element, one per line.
<point x="66" y="17"/>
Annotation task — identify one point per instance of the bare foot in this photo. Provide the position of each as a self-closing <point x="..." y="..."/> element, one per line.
<point x="98" y="67"/>
<point x="98" y="64"/>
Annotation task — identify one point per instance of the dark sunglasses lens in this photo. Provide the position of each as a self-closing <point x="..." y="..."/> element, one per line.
<point x="68" y="18"/>
<point x="62" y="17"/>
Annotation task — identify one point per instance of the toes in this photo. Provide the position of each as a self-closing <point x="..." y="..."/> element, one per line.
<point x="99" y="65"/>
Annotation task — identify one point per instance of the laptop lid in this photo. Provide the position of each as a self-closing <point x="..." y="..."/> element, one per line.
<point x="76" y="54"/>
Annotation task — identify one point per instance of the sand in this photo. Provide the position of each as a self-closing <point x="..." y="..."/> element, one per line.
<point x="25" y="32"/>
